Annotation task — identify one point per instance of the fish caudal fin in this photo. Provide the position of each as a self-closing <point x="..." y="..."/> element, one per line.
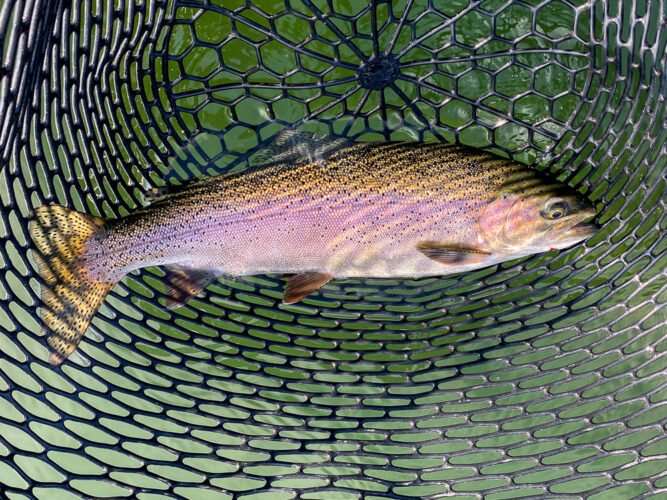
<point x="70" y="298"/>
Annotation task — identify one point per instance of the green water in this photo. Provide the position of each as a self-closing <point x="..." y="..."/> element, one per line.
<point x="543" y="370"/>
<point x="206" y="81"/>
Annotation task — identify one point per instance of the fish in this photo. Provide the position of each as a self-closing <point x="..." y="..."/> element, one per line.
<point x="369" y="210"/>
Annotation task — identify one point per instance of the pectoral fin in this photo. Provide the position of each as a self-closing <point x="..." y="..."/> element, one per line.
<point x="302" y="285"/>
<point x="186" y="283"/>
<point x="452" y="255"/>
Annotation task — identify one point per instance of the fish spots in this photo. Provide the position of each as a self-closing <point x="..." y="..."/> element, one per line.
<point x="382" y="196"/>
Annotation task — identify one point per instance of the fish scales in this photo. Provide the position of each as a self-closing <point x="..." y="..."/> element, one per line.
<point x="368" y="210"/>
<point x="271" y="220"/>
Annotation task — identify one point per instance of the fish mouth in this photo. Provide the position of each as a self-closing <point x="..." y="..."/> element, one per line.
<point x="576" y="230"/>
<point x="579" y="231"/>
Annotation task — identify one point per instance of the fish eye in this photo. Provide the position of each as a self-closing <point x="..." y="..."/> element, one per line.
<point x="555" y="209"/>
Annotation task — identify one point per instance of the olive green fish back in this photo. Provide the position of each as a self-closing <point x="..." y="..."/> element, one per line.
<point x="538" y="378"/>
<point x="429" y="170"/>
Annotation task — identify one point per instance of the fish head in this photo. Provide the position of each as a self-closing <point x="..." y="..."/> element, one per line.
<point x="536" y="218"/>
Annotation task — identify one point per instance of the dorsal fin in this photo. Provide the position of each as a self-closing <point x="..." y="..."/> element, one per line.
<point x="298" y="147"/>
<point x="188" y="163"/>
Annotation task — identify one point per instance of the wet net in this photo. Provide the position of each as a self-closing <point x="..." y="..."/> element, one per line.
<point x="543" y="377"/>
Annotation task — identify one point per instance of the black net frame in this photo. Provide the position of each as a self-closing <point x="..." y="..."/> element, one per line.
<point x="538" y="378"/>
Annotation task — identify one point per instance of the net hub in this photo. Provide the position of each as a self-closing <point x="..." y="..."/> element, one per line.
<point x="378" y="72"/>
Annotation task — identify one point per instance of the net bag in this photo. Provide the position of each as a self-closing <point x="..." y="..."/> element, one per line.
<point x="542" y="377"/>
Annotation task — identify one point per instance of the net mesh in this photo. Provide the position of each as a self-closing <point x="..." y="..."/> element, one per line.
<point x="543" y="377"/>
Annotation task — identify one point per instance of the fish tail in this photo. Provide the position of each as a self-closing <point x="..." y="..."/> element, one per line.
<point x="70" y="298"/>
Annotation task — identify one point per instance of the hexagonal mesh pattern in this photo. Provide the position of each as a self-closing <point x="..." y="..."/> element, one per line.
<point x="540" y="377"/>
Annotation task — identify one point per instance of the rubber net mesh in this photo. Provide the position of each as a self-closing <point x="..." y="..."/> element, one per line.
<point x="539" y="377"/>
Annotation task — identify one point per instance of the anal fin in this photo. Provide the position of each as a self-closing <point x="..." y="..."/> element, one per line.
<point x="452" y="255"/>
<point x="186" y="283"/>
<point x="302" y="285"/>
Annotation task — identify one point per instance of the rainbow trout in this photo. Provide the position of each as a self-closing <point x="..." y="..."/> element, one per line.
<point x="369" y="210"/>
